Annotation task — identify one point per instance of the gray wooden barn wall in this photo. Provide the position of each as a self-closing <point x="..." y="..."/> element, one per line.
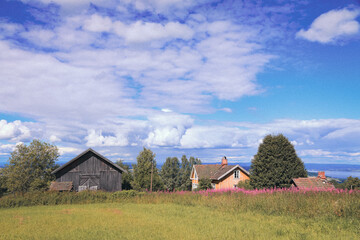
<point x="90" y="165"/>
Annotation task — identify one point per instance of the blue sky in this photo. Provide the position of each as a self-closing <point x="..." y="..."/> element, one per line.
<point x="201" y="78"/>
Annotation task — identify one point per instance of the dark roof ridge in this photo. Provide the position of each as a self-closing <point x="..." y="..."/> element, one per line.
<point x="82" y="154"/>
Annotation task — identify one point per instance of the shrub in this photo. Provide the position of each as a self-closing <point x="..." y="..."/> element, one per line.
<point x="245" y="185"/>
<point x="204" y="183"/>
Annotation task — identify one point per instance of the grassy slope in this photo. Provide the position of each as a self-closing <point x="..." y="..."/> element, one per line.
<point x="164" y="221"/>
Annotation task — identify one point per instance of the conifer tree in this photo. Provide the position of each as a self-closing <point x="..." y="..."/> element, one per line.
<point x="170" y="173"/>
<point x="275" y="164"/>
<point x="185" y="170"/>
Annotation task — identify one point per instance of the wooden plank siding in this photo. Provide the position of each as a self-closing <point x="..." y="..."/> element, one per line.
<point x="91" y="170"/>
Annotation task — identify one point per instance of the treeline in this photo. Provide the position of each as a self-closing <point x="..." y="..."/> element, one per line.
<point x="173" y="175"/>
<point x="30" y="166"/>
<point x="351" y="183"/>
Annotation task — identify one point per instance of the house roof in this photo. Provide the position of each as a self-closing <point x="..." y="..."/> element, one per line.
<point x="312" y="182"/>
<point x="94" y="152"/>
<point x="61" y="186"/>
<point x="216" y="171"/>
<point x="206" y="171"/>
<point x="223" y="171"/>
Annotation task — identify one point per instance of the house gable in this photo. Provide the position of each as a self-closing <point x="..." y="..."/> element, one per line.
<point x="222" y="175"/>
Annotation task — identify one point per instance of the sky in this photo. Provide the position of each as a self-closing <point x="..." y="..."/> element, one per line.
<point x="202" y="78"/>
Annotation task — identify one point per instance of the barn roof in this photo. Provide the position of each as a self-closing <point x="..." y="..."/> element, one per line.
<point x="61" y="186"/>
<point x="94" y="152"/>
<point x="216" y="171"/>
<point x="312" y="182"/>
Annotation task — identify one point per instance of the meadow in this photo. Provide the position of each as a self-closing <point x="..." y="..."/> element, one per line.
<point x="237" y="214"/>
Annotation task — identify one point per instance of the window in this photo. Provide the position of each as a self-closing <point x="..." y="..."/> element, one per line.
<point x="237" y="174"/>
<point x="82" y="188"/>
<point x="213" y="185"/>
<point x="195" y="175"/>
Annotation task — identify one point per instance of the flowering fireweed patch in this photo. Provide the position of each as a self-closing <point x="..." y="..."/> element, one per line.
<point x="281" y="201"/>
<point x="331" y="203"/>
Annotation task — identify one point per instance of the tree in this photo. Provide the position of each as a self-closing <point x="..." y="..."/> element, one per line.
<point x="352" y="183"/>
<point x="170" y="173"/>
<point x="2" y="183"/>
<point x="275" y="164"/>
<point x="204" y="183"/>
<point x="194" y="161"/>
<point x="185" y="171"/>
<point x="146" y="164"/>
<point x="127" y="178"/>
<point x="30" y="167"/>
<point x="184" y="174"/>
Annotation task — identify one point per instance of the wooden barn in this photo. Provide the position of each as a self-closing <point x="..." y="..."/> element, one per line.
<point x="91" y="171"/>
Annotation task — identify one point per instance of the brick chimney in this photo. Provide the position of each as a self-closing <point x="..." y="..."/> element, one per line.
<point x="224" y="161"/>
<point x="321" y="175"/>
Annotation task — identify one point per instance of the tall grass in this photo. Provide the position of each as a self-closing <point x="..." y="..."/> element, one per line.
<point x="300" y="203"/>
<point x="163" y="221"/>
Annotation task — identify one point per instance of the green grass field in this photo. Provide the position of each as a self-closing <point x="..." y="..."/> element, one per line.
<point x="165" y="221"/>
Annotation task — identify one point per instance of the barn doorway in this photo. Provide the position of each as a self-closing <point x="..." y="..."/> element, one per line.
<point x="89" y="182"/>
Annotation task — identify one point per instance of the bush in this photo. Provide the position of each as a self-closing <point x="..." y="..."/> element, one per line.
<point x="245" y="185"/>
<point x="204" y="183"/>
<point x="56" y="198"/>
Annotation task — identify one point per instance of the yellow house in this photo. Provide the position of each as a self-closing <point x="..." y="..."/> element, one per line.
<point x="223" y="176"/>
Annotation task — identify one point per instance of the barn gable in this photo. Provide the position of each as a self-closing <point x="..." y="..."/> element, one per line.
<point x="91" y="171"/>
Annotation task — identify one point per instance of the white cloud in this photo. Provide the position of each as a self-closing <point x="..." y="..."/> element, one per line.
<point x="167" y="129"/>
<point x="54" y="138"/>
<point x="66" y="150"/>
<point x="315" y="153"/>
<point x="13" y="130"/>
<point x="96" y="138"/>
<point x="76" y="92"/>
<point x="166" y="110"/>
<point x="71" y="6"/>
<point x="97" y="23"/>
<point x="333" y="25"/>
<point x="6" y="149"/>
<point x="211" y="137"/>
<point x="9" y="29"/>
<point x="140" y="31"/>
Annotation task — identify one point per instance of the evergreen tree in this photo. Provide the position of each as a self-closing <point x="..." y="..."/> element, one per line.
<point x="170" y="173"/>
<point x="185" y="171"/>
<point x="146" y="164"/>
<point x="30" y="167"/>
<point x="194" y="161"/>
<point x="275" y="163"/>
<point x="127" y="178"/>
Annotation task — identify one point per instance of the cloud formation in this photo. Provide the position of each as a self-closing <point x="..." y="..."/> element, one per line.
<point x="13" y="131"/>
<point x="119" y="75"/>
<point x="332" y="26"/>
